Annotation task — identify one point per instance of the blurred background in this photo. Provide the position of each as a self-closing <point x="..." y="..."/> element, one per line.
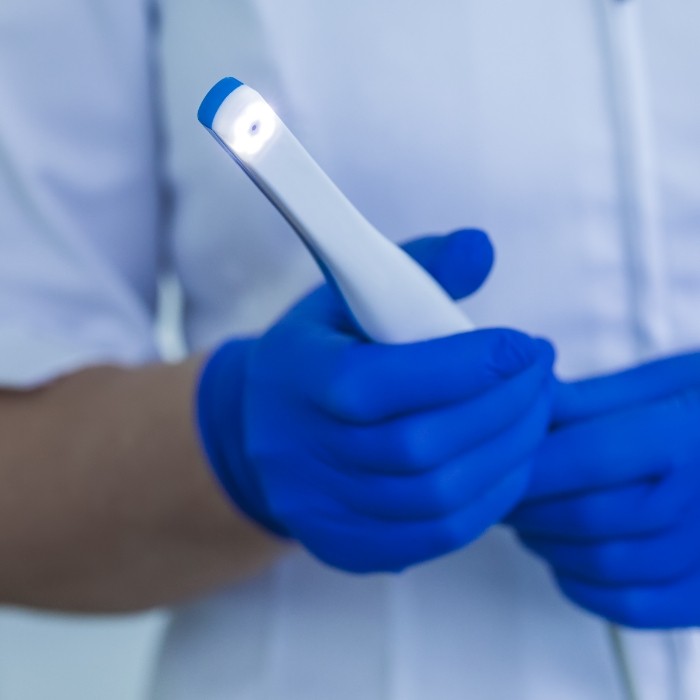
<point x="69" y="658"/>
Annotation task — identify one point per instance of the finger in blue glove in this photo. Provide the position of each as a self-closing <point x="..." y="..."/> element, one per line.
<point x="614" y="503"/>
<point x="378" y="457"/>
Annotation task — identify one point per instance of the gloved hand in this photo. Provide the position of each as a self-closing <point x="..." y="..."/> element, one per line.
<point x="614" y="504"/>
<point x="376" y="457"/>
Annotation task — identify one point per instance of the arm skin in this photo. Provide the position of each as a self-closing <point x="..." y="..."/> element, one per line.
<point x="106" y="503"/>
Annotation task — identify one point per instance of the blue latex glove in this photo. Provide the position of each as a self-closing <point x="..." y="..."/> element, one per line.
<point x="614" y="504"/>
<point x="376" y="457"/>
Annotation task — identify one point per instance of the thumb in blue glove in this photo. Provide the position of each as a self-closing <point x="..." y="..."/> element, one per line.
<point x="614" y="504"/>
<point x="378" y="457"/>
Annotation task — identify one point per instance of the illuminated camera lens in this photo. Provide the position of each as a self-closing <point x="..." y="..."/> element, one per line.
<point x="253" y="129"/>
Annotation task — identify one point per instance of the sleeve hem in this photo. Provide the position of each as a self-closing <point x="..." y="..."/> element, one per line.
<point x="28" y="361"/>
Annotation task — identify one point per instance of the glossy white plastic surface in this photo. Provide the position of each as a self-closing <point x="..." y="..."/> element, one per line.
<point x="391" y="297"/>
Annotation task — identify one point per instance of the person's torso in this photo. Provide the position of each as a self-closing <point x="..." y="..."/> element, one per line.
<point x="571" y="133"/>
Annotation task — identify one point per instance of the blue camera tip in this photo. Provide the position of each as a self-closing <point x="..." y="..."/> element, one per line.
<point x="211" y="103"/>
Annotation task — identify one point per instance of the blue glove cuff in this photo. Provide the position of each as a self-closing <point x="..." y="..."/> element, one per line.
<point x="219" y="409"/>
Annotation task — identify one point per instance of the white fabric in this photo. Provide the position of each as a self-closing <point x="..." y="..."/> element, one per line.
<point x="518" y="117"/>
<point x="78" y="192"/>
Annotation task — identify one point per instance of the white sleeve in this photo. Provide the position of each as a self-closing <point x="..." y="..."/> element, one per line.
<point x="79" y="194"/>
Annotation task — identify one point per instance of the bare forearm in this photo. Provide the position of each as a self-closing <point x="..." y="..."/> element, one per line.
<point x="106" y="503"/>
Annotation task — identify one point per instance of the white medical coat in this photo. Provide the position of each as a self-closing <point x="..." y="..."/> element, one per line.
<point x="569" y="130"/>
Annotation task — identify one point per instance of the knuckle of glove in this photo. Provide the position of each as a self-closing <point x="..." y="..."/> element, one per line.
<point x="585" y="519"/>
<point x="439" y="496"/>
<point x="605" y="563"/>
<point x="449" y="535"/>
<point x="347" y="393"/>
<point x="510" y="354"/>
<point x="412" y="448"/>
<point x="631" y="609"/>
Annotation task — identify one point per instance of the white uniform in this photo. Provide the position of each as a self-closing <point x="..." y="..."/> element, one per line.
<point x="570" y="131"/>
